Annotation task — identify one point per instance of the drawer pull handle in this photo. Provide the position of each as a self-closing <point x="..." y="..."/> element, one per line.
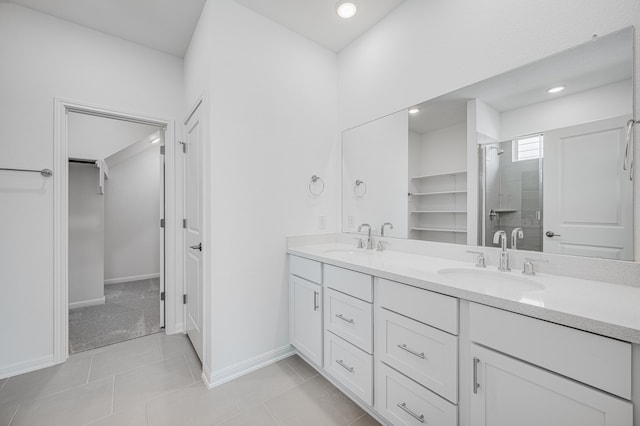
<point x="411" y="351"/>
<point x="476" y="385"/>
<point x="349" y="320"/>
<point x="345" y="366"/>
<point x="404" y="408"/>
<point x="315" y="301"/>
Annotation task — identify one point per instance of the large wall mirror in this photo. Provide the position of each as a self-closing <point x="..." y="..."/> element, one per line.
<point x="542" y="152"/>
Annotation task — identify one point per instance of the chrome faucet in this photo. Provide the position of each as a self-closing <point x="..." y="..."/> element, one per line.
<point x="515" y="234"/>
<point x="500" y="237"/>
<point x="384" y="225"/>
<point x="369" y="240"/>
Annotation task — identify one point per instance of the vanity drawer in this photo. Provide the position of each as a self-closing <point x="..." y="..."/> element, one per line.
<point x="598" y="361"/>
<point x="352" y="367"/>
<point x="403" y="402"/>
<point x="349" y="318"/>
<point x="305" y="268"/>
<point x="431" y="308"/>
<point x="427" y="355"/>
<point x="350" y="282"/>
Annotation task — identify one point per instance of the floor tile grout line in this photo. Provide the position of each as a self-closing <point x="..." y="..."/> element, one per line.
<point x="113" y="395"/>
<point x="193" y="376"/>
<point x="363" y="414"/>
<point x="119" y="373"/>
<point x="15" y="413"/>
<point x="89" y="372"/>
<point x="273" y="416"/>
<point x="294" y="370"/>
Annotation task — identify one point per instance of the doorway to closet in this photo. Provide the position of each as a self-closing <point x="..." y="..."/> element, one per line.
<point x="115" y="234"/>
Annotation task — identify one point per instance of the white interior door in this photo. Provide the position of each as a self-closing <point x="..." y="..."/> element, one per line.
<point x="193" y="229"/>
<point x="588" y="205"/>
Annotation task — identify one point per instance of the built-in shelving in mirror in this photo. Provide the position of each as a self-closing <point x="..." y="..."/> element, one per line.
<point x="507" y="153"/>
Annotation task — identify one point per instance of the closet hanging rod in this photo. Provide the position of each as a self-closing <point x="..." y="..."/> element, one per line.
<point x="43" y="172"/>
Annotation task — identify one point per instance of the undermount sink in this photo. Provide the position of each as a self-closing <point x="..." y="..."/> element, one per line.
<point x="350" y="252"/>
<point x="490" y="281"/>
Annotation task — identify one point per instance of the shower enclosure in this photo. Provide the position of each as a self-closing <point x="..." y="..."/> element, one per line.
<point x="511" y="190"/>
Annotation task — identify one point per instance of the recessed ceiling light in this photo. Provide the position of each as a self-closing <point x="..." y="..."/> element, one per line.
<point x="414" y="110"/>
<point x="156" y="140"/>
<point x="556" y="89"/>
<point x="346" y="9"/>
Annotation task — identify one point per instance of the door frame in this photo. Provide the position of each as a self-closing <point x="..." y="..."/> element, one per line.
<point x="172" y="263"/>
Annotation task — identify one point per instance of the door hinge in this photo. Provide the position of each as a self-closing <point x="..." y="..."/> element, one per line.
<point x="162" y="150"/>
<point x="162" y="296"/>
<point x="184" y="223"/>
<point x="184" y="299"/>
<point x="184" y="146"/>
<point x="161" y="223"/>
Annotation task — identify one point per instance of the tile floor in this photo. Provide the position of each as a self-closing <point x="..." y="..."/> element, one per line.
<point x="155" y="380"/>
<point x="132" y="310"/>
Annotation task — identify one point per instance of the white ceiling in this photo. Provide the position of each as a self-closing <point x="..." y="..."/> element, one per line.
<point x="317" y="19"/>
<point x="168" y="25"/>
<point x="165" y="25"/>
<point x="599" y="62"/>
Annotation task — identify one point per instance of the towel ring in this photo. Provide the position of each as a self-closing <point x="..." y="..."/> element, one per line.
<point x="315" y="179"/>
<point x="358" y="184"/>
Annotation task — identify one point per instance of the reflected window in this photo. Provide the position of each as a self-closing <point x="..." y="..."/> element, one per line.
<point x="528" y="148"/>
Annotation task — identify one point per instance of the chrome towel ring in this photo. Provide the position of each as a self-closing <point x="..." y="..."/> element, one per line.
<point x="314" y="181"/>
<point x="360" y="188"/>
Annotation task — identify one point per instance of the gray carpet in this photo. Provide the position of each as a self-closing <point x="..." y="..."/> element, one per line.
<point x="131" y="310"/>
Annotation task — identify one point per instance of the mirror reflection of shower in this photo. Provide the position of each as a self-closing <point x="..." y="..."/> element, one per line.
<point x="512" y="190"/>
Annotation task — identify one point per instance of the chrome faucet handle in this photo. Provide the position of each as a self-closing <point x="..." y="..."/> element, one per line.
<point x="381" y="244"/>
<point x="481" y="261"/>
<point x="527" y="267"/>
<point x="500" y="237"/>
<point x="384" y="225"/>
<point x="360" y="242"/>
<point x="515" y="234"/>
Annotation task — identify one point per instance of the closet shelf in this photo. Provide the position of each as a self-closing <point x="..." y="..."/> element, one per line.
<point x="440" y="230"/>
<point x="418" y="194"/>
<point x="461" y="172"/>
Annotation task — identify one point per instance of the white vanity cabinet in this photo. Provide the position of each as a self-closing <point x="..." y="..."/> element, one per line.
<point x="305" y="308"/>
<point x="416" y="347"/>
<point x="348" y="323"/>
<point x="412" y="356"/>
<point x="545" y="374"/>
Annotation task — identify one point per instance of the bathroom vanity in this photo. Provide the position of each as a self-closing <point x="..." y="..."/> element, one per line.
<point x="417" y="339"/>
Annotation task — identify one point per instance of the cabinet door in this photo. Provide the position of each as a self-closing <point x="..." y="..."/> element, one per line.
<point x="306" y="318"/>
<point x="507" y="392"/>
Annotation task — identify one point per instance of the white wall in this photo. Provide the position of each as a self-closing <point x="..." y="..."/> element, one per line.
<point x="608" y="101"/>
<point x="86" y="235"/>
<point x="444" y="150"/>
<point x="376" y="153"/>
<point x="273" y="123"/>
<point x="44" y="57"/>
<point x="132" y="217"/>
<point x="424" y="49"/>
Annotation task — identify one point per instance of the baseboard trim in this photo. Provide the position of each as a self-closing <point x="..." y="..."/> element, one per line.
<point x="89" y="302"/>
<point x="27" y="366"/>
<point x="219" y="377"/>
<point x="132" y="278"/>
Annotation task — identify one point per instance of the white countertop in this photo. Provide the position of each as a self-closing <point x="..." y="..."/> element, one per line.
<point x="611" y="310"/>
